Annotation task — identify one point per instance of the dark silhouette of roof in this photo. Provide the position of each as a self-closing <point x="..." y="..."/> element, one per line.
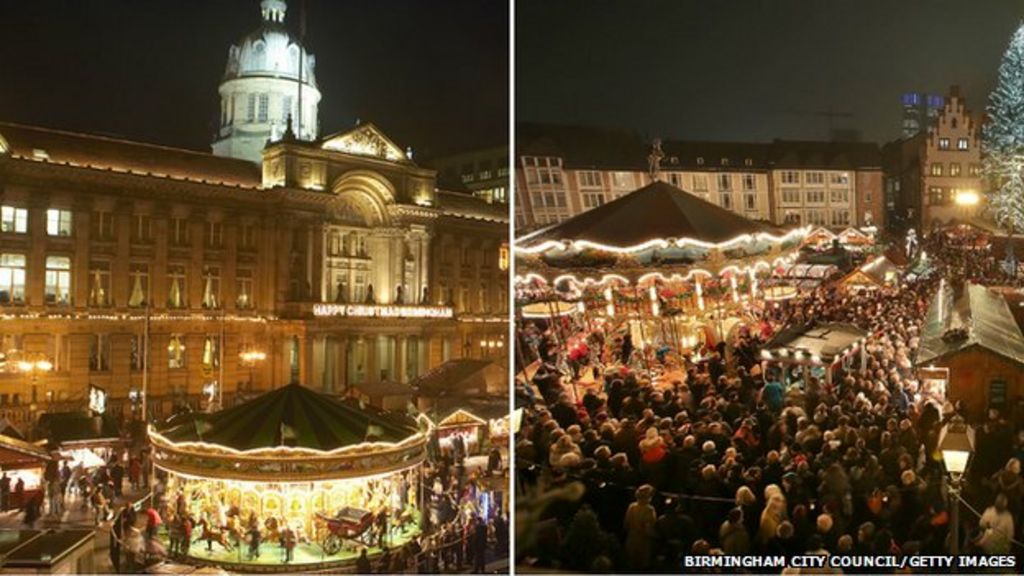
<point x="658" y="210"/>
<point x="293" y="415"/>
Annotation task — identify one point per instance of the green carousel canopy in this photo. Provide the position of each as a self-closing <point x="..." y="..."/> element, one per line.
<point x="293" y="432"/>
<point x="295" y="416"/>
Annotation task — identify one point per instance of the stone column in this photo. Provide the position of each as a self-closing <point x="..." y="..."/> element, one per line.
<point x="372" y="359"/>
<point x="401" y="354"/>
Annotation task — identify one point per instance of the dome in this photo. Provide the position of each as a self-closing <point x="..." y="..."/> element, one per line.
<point x="270" y="50"/>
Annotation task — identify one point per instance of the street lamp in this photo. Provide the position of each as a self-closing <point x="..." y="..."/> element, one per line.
<point x="957" y="444"/>
<point x="967" y="198"/>
<point x="31" y="365"/>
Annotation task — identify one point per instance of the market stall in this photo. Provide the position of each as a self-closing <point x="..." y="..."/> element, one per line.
<point x="25" y="462"/>
<point x="328" y="469"/>
<point x="460" y="426"/>
<point x="82" y="438"/>
<point x="816" y="350"/>
<point x="877" y="273"/>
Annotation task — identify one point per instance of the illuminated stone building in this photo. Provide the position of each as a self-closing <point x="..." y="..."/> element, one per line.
<point x="332" y="262"/>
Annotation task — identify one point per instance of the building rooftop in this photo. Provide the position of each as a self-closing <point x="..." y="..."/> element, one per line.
<point x="979" y="316"/>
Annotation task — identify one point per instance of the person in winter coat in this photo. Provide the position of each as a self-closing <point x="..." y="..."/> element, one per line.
<point x="733" y="535"/>
<point x="997" y="528"/>
<point x="639" y="523"/>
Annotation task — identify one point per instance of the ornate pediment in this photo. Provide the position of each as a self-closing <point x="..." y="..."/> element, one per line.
<point x="366" y="140"/>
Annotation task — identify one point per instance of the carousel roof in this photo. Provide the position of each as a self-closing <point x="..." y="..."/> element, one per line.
<point x="293" y="415"/>
<point x="658" y="210"/>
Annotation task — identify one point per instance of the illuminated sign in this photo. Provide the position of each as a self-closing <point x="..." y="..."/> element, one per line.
<point x="382" y="311"/>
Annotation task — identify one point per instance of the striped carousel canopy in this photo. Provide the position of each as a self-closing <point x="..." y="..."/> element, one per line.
<point x="291" y="416"/>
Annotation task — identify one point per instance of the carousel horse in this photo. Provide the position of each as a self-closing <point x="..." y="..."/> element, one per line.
<point x="233" y="527"/>
<point x="272" y="528"/>
<point x="213" y="534"/>
<point x="405" y="518"/>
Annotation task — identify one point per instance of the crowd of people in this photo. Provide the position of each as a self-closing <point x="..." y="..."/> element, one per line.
<point x="734" y="458"/>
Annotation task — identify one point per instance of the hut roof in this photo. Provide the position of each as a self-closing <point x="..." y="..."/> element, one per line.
<point x="979" y="317"/>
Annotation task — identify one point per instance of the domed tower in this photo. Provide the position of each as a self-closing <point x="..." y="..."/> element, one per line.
<point x="269" y="73"/>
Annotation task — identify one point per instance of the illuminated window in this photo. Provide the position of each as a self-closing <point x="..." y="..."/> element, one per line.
<point x="176" y="351"/>
<point x="58" y="222"/>
<point x="176" y="292"/>
<point x="138" y="276"/>
<point x="839" y="178"/>
<point x="622" y="179"/>
<point x="211" y="352"/>
<point x="503" y="258"/>
<point x="211" y="287"/>
<point x="243" y="289"/>
<point x="58" y="280"/>
<point x="936" y="168"/>
<point x="936" y="195"/>
<point x="12" y="278"/>
<point x="214" y="234"/>
<point x="99" y="284"/>
<point x="961" y="144"/>
<point x="954" y="168"/>
<point x="943" y="143"/>
<point x="142" y="229"/>
<point x="179" y="232"/>
<point x="974" y="170"/>
<point x="13" y="219"/>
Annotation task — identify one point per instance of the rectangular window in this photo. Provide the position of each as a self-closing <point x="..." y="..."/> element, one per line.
<point x="790" y="196"/>
<point x="840" y="217"/>
<point x="590" y="179"/>
<point x="142" y="229"/>
<point x="792" y="217"/>
<point x="943" y="143"/>
<point x="700" y="182"/>
<point x="790" y="177"/>
<point x="99" y="284"/>
<point x="243" y="289"/>
<point x="12" y="278"/>
<point x="250" y="109"/>
<point x="936" y="169"/>
<point x="214" y="234"/>
<point x="867" y="196"/>
<point x="622" y="179"/>
<point x="138" y="275"/>
<point x="815" y="196"/>
<point x="839" y="178"/>
<point x="749" y="182"/>
<point x="99" y="352"/>
<point x="974" y="171"/>
<point x="750" y="202"/>
<point x="724" y="182"/>
<point x="176" y="287"/>
<point x="247" y="236"/>
<point x="58" y="280"/>
<point x="591" y="200"/>
<point x="936" y="196"/>
<point x="725" y="200"/>
<point x="839" y="196"/>
<point x="58" y="222"/>
<point x="135" y="353"/>
<point x="179" y="232"/>
<point x="176" y="351"/>
<point x="816" y="217"/>
<point x="961" y="144"/>
<point x="211" y="287"/>
<point x="264" y="107"/>
<point x="954" y="168"/>
<point x="675" y="179"/>
<point x="14" y="220"/>
<point x="815" y="178"/>
<point x="211" y="352"/>
<point x="102" y="225"/>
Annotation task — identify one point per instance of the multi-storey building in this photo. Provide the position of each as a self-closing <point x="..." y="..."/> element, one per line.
<point x="927" y="173"/>
<point x="483" y="173"/>
<point x="564" y="170"/>
<point x="920" y="112"/>
<point x="339" y="261"/>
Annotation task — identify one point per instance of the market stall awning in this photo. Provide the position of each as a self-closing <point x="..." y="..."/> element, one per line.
<point x="656" y="211"/>
<point x="293" y="415"/>
<point x="822" y="344"/>
<point x="17" y="453"/>
<point x="979" y="317"/>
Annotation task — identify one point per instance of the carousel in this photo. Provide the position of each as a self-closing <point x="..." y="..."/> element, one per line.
<point x="323" y="476"/>
<point x="669" y="268"/>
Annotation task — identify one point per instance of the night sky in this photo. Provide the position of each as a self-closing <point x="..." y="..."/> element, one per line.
<point x="432" y="75"/>
<point x="752" y="70"/>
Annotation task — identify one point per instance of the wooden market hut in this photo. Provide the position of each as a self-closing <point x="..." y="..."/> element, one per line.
<point x="824" y="345"/>
<point x="878" y="273"/>
<point x="973" y="347"/>
<point x="25" y="460"/>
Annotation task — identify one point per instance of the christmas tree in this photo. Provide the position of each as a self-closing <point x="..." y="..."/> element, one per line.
<point x="1003" y="137"/>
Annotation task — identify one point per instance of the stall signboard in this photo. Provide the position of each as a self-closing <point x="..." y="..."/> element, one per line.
<point x="97" y="399"/>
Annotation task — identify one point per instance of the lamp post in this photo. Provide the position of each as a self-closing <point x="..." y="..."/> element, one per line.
<point x="957" y="444"/>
